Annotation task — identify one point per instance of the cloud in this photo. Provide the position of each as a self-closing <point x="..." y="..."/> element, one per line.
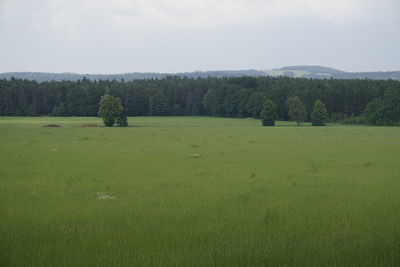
<point x="223" y="13"/>
<point x="195" y="34"/>
<point x="73" y="16"/>
<point x="74" y="19"/>
<point x="1" y="9"/>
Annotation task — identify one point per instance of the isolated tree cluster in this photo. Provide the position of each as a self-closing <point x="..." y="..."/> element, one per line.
<point x="112" y="111"/>
<point x="296" y="111"/>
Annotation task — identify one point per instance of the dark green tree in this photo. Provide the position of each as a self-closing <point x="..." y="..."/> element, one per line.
<point x="31" y="111"/>
<point x="158" y="105"/>
<point x="110" y="108"/>
<point x="296" y="109"/>
<point x="268" y="113"/>
<point x="60" y="111"/>
<point x="391" y="106"/>
<point x="373" y="114"/>
<point x="213" y="100"/>
<point x="319" y="114"/>
<point x="255" y="103"/>
<point x="232" y="97"/>
<point x="384" y="111"/>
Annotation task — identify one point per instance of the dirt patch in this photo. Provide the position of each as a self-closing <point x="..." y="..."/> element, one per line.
<point x="51" y="125"/>
<point x="89" y="125"/>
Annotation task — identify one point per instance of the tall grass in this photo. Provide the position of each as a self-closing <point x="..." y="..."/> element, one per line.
<point x="255" y="196"/>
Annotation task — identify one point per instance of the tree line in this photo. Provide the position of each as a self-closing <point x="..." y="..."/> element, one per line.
<point x="181" y="96"/>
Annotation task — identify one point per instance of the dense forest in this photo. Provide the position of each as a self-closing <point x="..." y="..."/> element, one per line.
<point x="226" y="97"/>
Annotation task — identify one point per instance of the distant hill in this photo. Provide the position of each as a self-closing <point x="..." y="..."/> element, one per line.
<point x="44" y="76"/>
<point x="319" y="72"/>
<point x="313" y="72"/>
<point x="314" y="69"/>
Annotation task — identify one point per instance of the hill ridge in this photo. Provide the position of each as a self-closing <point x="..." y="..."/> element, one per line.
<point x="301" y="71"/>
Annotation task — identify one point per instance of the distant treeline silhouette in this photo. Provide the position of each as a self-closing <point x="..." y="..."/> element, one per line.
<point x="177" y="96"/>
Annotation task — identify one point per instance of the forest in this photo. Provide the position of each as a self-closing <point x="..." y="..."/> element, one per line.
<point x="238" y="97"/>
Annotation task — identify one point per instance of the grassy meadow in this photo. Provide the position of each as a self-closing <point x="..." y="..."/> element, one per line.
<point x="253" y="196"/>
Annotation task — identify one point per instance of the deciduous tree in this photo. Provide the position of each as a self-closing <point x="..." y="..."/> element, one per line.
<point x="319" y="114"/>
<point x="268" y="113"/>
<point x="110" y="108"/>
<point x="384" y="111"/>
<point x="296" y="109"/>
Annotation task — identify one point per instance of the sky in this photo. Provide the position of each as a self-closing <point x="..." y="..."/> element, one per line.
<point x="121" y="36"/>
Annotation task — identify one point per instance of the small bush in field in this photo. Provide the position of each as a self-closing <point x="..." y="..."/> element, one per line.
<point x="268" y="113"/>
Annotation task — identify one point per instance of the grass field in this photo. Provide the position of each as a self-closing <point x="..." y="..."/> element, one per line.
<point x="256" y="196"/>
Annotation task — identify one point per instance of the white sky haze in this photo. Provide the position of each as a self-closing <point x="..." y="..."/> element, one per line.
<point x="118" y="36"/>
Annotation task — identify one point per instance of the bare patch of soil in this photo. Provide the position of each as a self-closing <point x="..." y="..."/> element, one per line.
<point x="90" y="125"/>
<point x="51" y="125"/>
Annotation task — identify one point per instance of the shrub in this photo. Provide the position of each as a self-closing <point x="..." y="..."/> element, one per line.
<point x="268" y="113"/>
<point x="122" y="121"/>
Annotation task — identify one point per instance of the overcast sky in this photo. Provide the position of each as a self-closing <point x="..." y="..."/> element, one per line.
<point x="118" y="36"/>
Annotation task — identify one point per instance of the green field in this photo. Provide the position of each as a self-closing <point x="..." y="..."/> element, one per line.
<point x="255" y="196"/>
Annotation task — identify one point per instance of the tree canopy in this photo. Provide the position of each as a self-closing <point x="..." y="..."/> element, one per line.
<point x="296" y="109"/>
<point x="384" y="111"/>
<point x="179" y="96"/>
<point x="319" y="114"/>
<point x="110" y="109"/>
<point x="269" y="113"/>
